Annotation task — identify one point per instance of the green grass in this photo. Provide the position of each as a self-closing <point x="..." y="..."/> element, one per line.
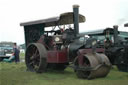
<point x="16" y="74"/>
<point x="22" y="56"/>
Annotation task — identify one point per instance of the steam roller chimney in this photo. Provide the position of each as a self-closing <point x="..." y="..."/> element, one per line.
<point x="115" y="33"/>
<point x="76" y="19"/>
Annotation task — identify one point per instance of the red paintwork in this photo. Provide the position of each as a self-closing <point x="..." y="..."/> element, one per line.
<point x="41" y="40"/>
<point x="57" y="56"/>
<point x="54" y="56"/>
<point x="98" y="50"/>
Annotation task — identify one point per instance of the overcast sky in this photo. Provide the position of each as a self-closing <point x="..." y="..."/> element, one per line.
<point x="99" y="14"/>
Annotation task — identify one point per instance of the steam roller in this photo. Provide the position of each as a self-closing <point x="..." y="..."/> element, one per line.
<point x="57" y="48"/>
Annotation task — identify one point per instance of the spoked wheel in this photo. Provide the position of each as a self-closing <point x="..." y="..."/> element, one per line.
<point x="35" y="57"/>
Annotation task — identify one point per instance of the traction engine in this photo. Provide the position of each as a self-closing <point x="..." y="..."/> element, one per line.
<point x="61" y="47"/>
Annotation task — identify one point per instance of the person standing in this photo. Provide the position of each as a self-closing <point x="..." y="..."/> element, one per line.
<point x="16" y="53"/>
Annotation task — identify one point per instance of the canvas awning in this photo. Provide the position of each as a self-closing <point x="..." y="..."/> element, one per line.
<point x="98" y="32"/>
<point x="63" y="19"/>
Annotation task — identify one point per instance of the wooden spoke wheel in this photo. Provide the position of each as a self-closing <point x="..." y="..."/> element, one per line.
<point x="35" y="57"/>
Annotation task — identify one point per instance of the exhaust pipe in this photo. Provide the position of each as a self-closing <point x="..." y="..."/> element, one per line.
<point x="76" y="19"/>
<point x="115" y="33"/>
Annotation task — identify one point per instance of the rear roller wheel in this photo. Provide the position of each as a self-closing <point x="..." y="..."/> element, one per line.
<point x="35" y="57"/>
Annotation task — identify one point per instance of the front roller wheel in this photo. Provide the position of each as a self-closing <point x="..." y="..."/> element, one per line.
<point x="93" y="65"/>
<point x="80" y="73"/>
<point x="35" y="57"/>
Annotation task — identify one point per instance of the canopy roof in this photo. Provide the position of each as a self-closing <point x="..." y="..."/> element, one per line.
<point x="99" y="32"/>
<point x="123" y="34"/>
<point x="63" y="19"/>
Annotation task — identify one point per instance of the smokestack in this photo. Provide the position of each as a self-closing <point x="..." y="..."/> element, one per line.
<point x="126" y="25"/>
<point x="115" y="33"/>
<point x="76" y="19"/>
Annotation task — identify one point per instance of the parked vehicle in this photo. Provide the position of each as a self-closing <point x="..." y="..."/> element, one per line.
<point x="5" y="52"/>
<point x="117" y="47"/>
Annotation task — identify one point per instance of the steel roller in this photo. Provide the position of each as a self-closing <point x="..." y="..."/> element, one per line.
<point x="95" y="65"/>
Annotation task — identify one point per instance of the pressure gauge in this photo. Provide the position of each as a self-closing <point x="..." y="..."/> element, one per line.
<point x="94" y="43"/>
<point x="57" y="39"/>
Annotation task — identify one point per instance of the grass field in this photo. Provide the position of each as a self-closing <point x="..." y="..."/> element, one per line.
<point x="16" y="74"/>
